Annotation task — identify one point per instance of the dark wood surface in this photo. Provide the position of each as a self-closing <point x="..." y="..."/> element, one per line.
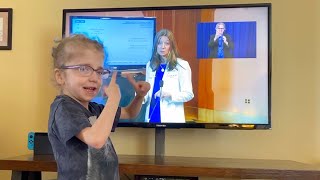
<point x="183" y="166"/>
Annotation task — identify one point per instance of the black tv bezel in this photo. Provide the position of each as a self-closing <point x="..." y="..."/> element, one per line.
<point x="234" y="126"/>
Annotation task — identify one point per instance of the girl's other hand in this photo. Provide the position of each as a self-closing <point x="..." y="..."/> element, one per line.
<point x="141" y="87"/>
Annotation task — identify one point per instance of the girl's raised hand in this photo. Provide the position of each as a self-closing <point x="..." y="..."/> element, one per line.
<point x="112" y="91"/>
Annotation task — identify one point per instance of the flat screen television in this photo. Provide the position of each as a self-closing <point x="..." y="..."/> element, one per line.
<point x="231" y="91"/>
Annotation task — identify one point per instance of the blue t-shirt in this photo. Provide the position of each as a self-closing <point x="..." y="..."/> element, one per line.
<point x="75" y="159"/>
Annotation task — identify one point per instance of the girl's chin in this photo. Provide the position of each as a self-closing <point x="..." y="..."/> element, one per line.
<point x="89" y="97"/>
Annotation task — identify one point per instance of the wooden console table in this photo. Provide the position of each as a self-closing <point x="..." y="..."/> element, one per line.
<point x="23" y="167"/>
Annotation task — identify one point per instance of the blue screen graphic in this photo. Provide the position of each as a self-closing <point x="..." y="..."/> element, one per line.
<point x="128" y="41"/>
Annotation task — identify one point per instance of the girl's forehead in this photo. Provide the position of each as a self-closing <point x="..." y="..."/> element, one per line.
<point x="87" y="57"/>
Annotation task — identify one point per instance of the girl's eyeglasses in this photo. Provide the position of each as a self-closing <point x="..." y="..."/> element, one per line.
<point x="86" y="70"/>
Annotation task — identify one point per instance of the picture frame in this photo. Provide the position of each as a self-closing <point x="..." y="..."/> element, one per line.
<point x="5" y="28"/>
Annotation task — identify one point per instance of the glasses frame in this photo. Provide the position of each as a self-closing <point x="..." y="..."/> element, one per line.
<point x="104" y="72"/>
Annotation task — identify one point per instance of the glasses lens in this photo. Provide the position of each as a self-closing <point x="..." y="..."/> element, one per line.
<point x="85" y="70"/>
<point x="105" y="76"/>
<point x="106" y="73"/>
<point x="102" y="72"/>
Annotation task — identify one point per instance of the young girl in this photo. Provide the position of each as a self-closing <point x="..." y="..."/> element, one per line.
<point x="79" y="129"/>
<point x="170" y="80"/>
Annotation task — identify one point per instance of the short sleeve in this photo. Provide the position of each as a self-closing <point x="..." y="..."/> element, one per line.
<point x="69" y="120"/>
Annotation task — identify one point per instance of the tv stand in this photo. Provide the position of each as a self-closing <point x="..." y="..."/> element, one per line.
<point x="173" y="166"/>
<point x="159" y="158"/>
<point x="160" y="138"/>
<point x="149" y="177"/>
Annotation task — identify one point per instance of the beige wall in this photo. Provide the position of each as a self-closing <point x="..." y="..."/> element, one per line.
<point x="26" y="91"/>
<point x="317" y="82"/>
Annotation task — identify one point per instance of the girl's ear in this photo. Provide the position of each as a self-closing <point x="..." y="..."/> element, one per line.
<point x="59" y="76"/>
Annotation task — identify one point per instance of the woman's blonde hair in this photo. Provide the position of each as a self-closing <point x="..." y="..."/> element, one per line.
<point x="173" y="51"/>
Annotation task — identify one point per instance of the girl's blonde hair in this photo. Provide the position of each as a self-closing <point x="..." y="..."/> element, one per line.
<point x="73" y="46"/>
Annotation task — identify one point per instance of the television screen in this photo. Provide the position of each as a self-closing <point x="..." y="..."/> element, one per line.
<point x="222" y="78"/>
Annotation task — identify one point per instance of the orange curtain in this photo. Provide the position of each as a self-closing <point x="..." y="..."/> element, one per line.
<point x="205" y="92"/>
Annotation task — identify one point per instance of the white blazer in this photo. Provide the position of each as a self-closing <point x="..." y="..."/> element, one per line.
<point x="178" y="83"/>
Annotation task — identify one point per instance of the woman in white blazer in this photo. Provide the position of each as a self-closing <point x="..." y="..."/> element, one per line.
<point x="170" y="80"/>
